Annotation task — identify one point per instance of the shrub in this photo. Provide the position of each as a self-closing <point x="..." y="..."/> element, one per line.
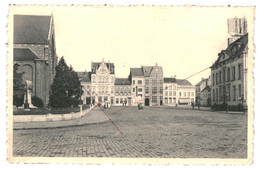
<point x="36" y="101"/>
<point x="18" y="101"/>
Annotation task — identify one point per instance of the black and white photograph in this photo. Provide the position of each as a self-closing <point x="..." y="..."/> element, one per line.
<point x="128" y="83"/>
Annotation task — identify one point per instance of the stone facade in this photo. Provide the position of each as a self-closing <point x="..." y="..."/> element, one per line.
<point x="102" y="82"/>
<point x="35" y="52"/>
<point x="229" y="72"/>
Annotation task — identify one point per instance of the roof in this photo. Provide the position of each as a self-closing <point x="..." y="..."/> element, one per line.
<point x="84" y="76"/>
<point x="109" y="65"/>
<point x="233" y="50"/>
<point x="136" y="71"/>
<point x="31" y="29"/>
<point x="147" y="70"/>
<point x="122" y="81"/>
<point x="169" y="80"/>
<point x="199" y="83"/>
<point x="207" y="88"/>
<point x="183" y="82"/>
<point x="24" y="54"/>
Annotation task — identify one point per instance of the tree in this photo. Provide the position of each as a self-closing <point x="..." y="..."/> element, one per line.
<point x="66" y="89"/>
<point x="18" y="87"/>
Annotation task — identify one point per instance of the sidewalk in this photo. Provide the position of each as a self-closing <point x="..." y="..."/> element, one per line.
<point x="93" y="116"/>
<point x="208" y="109"/>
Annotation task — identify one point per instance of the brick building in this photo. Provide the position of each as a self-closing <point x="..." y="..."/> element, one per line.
<point x="147" y="85"/>
<point x="34" y="51"/>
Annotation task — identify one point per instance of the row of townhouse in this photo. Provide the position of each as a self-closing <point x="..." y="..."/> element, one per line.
<point x="144" y="85"/>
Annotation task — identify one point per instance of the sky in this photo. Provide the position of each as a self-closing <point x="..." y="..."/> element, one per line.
<point x="183" y="41"/>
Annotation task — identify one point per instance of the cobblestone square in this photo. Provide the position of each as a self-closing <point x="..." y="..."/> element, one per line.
<point x="159" y="132"/>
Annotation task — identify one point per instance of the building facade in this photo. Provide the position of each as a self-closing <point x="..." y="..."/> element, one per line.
<point x="35" y="52"/>
<point x="85" y="80"/>
<point x="178" y="92"/>
<point x="102" y="82"/>
<point x="136" y="78"/>
<point x="147" y="85"/>
<point x="123" y="95"/>
<point x="203" y="92"/>
<point x="229" y="72"/>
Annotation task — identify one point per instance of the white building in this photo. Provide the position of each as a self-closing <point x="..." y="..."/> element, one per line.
<point x="178" y="91"/>
<point x="102" y="82"/>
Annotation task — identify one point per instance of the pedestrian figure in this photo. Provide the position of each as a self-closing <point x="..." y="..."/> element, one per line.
<point x="192" y="104"/>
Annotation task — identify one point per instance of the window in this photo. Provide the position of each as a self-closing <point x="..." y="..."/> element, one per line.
<point x="188" y="93"/>
<point x="234" y="73"/>
<point x="112" y="100"/>
<point x="146" y="82"/>
<point x="121" y="100"/>
<point x="216" y="78"/>
<point x="228" y="92"/>
<point x="166" y="100"/>
<point x="140" y="90"/>
<point x="179" y="93"/>
<point x="170" y="100"/>
<point x="234" y="93"/>
<point x="239" y="71"/>
<point x="153" y="82"/>
<point x="228" y="74"/>
<point x="170" y="93"/>
<point x="100" y="99"/>
<point x="139" y="81"/>
<point x="161" y="90"/>
<point x="146" y="90"/>
<point x="174" y="93"/>
<point x="154" y="90"/>
<point x="117" y="100"/>
<point x="192" y="93"/>
<point x="140" y="95"/>
<point x="239" y="91"/>
<point x="213" y="79"/>
<point x="105" y="98"/>
<point x="213" y="91"/>
<point x="166" y="93"/>
<point x="220" y="94"/>
<point x="217" y="95"/>
<point x="133" y="81"/>
<point x="219" y="76"/>
<point x="224" y="75"/>
<point x="133" y="89"/>
<point x="154" y="99"/>
<point x="161" y="82"/>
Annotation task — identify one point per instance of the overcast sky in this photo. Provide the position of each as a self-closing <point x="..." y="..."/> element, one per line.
<point x="181" y="40"/>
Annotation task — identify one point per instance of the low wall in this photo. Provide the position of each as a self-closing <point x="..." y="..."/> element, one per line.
<point x="49" y="117"/>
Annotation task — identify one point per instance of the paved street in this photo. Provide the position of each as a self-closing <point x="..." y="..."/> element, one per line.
<point x="152" y="132"/>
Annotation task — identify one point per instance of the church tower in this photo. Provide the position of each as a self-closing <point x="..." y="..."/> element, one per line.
<point x="236" y="28"/>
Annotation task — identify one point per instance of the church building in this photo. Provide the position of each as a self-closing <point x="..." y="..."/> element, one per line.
<point x="34" y="52"/>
